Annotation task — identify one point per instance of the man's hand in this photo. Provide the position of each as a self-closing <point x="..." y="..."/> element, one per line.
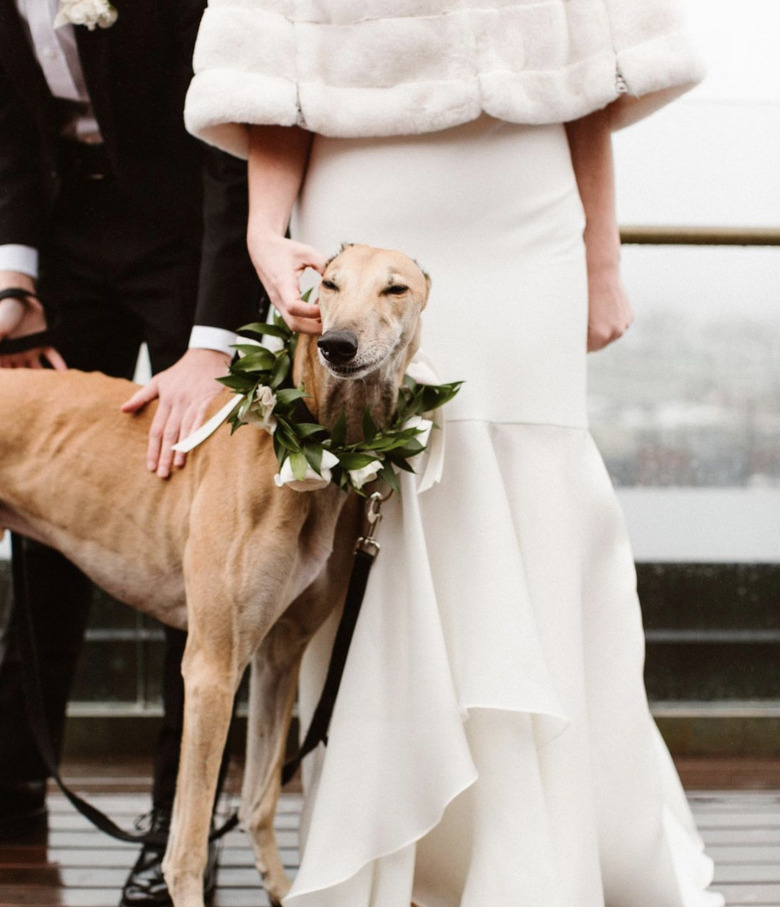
<point x="18" y="319"/>
<point x="185" y="390"/>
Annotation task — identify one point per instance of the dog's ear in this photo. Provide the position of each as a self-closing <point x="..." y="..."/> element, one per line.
<point x="427" y="284"/>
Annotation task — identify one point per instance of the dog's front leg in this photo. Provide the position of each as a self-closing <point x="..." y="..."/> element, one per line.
<point x="209" y="688"/>
<point x="271" y="696"/>
<point x="274" y="677"/>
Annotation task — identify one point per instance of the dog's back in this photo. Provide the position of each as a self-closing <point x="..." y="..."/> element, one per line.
<point x="73" y="475"/>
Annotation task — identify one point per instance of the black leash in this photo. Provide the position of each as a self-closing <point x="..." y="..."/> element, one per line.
<point x="366" y="550"/>
<point x="36" y="713"/>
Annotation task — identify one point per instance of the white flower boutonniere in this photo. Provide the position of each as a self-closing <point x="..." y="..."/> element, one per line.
<point x="91" y="13"/>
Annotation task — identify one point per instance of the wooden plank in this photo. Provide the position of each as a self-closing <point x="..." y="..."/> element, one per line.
<point x="755" y="895"/>
<point x="736" y="836"/>
<point x="751" y="874"/>
<point x="745" y="854"/>
<point x="766" y="820"/>
<point x="81" y="867"/>
<point x="98" y="857"/>
<point x="112" y="877"/>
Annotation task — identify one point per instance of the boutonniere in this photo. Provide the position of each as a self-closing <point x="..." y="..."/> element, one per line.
<point x="91" y="13"/>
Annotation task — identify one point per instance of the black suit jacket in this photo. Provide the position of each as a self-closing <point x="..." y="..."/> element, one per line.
<point x="137" y="73"/>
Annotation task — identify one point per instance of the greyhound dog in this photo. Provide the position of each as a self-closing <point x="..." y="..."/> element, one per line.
<point x="251" y="570"/>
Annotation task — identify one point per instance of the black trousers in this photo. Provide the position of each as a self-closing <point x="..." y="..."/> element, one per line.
<point x="111" y="277"/>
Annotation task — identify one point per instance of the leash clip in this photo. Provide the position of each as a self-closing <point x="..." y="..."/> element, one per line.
<point x="367" y="543"/>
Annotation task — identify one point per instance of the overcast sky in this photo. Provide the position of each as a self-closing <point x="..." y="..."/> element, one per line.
<point x="740" y="41"/>
<point x="711" y="159"/>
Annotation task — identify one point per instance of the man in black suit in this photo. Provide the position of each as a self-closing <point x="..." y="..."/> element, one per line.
<point x="126" y="230"/>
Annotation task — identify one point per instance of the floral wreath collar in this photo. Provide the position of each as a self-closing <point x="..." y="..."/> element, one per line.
<point x="309" y="456"/>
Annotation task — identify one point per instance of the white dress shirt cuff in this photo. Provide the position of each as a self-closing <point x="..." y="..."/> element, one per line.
<point x="208" y="338"/>
<point x="19" y="258"/>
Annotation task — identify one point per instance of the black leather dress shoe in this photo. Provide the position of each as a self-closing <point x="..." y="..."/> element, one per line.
<point x="22" y="809"/>
<point x="145" y="886"/>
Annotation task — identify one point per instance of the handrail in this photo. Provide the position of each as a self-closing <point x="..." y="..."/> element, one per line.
<point x="700" y="236"/>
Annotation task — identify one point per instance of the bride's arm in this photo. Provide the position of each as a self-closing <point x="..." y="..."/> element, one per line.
<point x="609" y="312"/>
<point x="278" y="156"/>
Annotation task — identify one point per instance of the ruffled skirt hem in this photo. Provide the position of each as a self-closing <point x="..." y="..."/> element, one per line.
<point x="492" y="742"/>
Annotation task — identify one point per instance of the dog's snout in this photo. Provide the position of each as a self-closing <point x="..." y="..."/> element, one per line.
<point x="338" y="347"/>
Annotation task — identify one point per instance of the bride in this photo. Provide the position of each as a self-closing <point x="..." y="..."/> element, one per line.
<point x="492" y="744"/>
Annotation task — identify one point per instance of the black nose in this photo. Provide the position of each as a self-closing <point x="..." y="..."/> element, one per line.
<point x="338" y="347"/>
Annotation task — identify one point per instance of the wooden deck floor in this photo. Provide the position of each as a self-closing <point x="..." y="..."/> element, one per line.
<point x="77" y="866"/>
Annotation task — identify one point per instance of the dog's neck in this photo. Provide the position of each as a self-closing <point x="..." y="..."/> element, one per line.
<point x="327" y="395"/>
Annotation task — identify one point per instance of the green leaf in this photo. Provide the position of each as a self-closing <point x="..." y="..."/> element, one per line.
<point x="249" y="348"/>
<point x="279" y="449"/>
<point x="243" y="409"/>
<point x="307" y="295"/>
<point x="289" y="395"/>
<point x="339" y="433"/>
<point x="309" y="429"/>
<point x="369" y="426"/>
<point x="262" y="328"/>
<point x="298" y="464"/>
<point x="403" y="464"/>
<point x="356" y="460"/>
<point x="434" y="396"/>
<point x="313" y="454"/>
<point x="286" y="436"/>
<point x="410" y="449"/>
<point x="280" y="370"/>
<point x="261" y="361"/>
<point x="389" y="476"/>
<point x="237" y="382"/>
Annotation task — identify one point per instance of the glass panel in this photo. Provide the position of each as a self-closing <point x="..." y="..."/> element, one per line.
<point x="691" y="395"/>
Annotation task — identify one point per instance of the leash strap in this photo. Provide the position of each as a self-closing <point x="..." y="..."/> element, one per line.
<point x="37" y="715"/>
<point x="366" y="550"/>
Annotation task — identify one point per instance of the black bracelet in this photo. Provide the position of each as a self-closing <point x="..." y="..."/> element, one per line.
<point x="18" y="293"/>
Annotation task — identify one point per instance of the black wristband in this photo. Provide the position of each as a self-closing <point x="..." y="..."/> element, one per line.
<point x="17" y="293"/>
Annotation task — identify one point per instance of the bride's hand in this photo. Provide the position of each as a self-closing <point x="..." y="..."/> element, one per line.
<point x="279" y="263"/>
<point x="609" y="311"/>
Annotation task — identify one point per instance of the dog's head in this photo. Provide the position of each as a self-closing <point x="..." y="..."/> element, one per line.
<point x="371" y="300"/>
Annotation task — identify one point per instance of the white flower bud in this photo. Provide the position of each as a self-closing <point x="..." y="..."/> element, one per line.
<point x="311" y="481"/>
<point x="260" y="413"/>
<point x="361" y="477"/>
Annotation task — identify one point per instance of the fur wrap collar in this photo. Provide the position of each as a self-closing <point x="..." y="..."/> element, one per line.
<point x="353" y="68"/>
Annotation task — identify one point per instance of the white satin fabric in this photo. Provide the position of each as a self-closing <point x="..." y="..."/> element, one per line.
<point x="491" y="745"/>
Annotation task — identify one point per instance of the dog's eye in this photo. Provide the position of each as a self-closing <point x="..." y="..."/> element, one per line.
<point x="397" y="289"/>
<point x="328" y="285"/>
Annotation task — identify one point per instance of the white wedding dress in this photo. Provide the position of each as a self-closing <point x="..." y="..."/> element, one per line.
<point x="491" y="745"/>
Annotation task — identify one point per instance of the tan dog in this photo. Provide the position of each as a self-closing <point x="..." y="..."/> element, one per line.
<point x="250" y="569"/>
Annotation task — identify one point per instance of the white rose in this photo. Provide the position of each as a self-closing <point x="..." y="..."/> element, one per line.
<point x="360" y="477"/>
<point x="311" y="481"/>
<point x="91" y="13"/>
<point x="260" y="413"/>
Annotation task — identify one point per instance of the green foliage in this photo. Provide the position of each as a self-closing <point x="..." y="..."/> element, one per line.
<point x="303" y="442"/>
